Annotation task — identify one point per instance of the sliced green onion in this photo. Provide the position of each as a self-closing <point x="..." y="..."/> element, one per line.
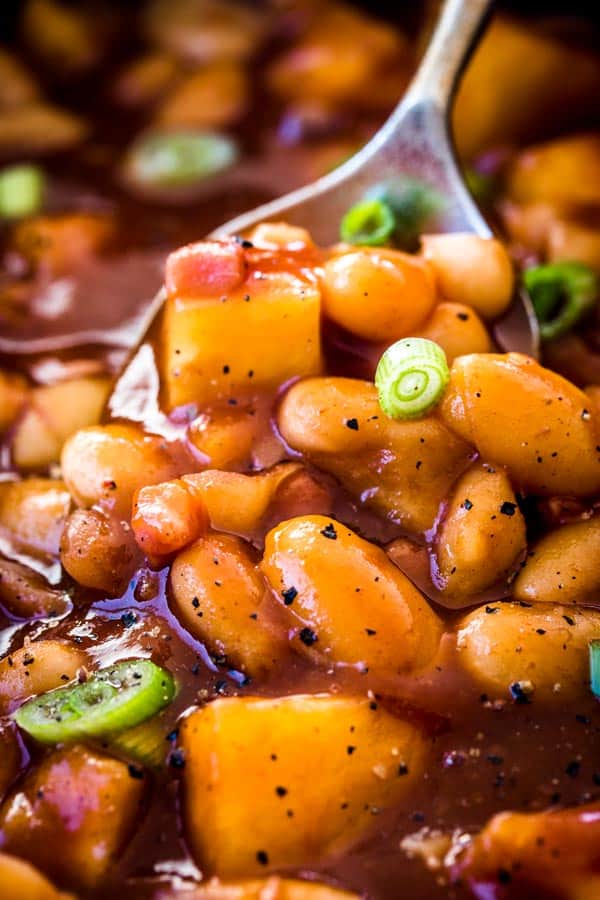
<point x="146" y="743"/>
<point x="179" y="158"/>
<point x="413" y="204"/>
<point x="562" y="293"/>
<point x="483" y="187"/>
<point x="21" y="191"/>
<point x="114" y="699"/>
<point x="411" y="378"/>
<point x="369" y="222"/>
<point x="595" y="667"/>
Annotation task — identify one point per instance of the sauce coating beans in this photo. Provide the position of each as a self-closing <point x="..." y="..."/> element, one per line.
<point x="299" y="595"/>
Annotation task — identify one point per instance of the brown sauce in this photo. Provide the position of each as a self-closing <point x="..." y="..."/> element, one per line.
<point x="485" y="756"/>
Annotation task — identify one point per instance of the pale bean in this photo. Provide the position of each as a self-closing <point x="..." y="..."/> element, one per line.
<point x="36" y="668"/>
<point x="482" y="534"/>
<point x="98" y="551"/>
<point x="526" y="418"/>
<point x="457" y="329"/>
<point x="221" y="598"/>
<point x="378" y="294"/>
<point x="33" y="513"/>
<point x="108" y="463"/>
<point x="542" y="649"/>
<point x="563" y="566"/>
<point x="472" y="270"/>
<point x="347" y="603"/>
<point x="401" y="469"/>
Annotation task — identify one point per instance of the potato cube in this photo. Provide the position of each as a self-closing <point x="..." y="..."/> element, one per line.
<point x="72" y="815"/>
<point x="274" y="782"/>
<point x="254" y="338"/>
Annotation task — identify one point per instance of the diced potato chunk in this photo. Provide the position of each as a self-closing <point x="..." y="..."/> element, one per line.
<point x="59" y="243"/>
<point x="538" y="652"/>
<point x="254" y="338"/>
<point x="54" y="413"/>
<point x="73" y="815"/>
<point x="33" y="513"/>
<point x="401" y="469"/>
<point x="527" y="418"/>
<point x="315" y="766"/>
<point x="220" y="597"/>
<point x="346" y="601"/>
<point x="481" y="535"/>
<point x="563" y="171"/>
<point x="38" y="667"/>
<point x="20" y="881"/>
<point x="563" y="566"/>
<point x="504" y="97"/>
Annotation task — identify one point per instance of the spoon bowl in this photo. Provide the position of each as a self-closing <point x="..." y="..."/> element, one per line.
<point x="414" y="143"/>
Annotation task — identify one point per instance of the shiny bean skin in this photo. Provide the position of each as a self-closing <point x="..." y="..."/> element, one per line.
<point x="526" y="418"/>
<point x="347" y="603"/>
<point x="221" y="598"/>
<point x="98" y="551"/>
<point x="563" y="566"/>
<point x="108" y="463"/>
<point x="482" y="534"/>
<point x="401" y="469"/>
<point x="542" y="647"/>
<point x="36" y="668"/>
<point x="458" y="330"/>
<point x="472" y="270"/>
<point x="33" y="513"/>
<point x="377" y="294"/>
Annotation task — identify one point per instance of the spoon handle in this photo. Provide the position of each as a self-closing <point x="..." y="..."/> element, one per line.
<point x="456" y="34"/>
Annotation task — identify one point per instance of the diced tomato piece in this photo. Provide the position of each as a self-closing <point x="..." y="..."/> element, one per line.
<point x="205" y="268"/>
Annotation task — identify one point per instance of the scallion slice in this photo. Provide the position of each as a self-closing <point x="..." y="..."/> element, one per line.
<point x="21" y="191"/>
<point x="562" y="293"/>
<point x="179" y="158"/>
<point x="370" y="222"/>
<point x="411" y="378"/>
<point x="114" y="699"/>
<point x="595" y="667"/>
<point x="414" y="205"/>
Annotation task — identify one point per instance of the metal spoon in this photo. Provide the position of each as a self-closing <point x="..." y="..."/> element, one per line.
<point x="414" y="142"/>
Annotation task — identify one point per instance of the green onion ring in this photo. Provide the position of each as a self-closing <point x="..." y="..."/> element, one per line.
<point x="411" y="378"/>
<point x="112" y="700"/>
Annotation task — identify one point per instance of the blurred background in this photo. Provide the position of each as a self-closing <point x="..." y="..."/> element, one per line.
<point x="127" y="129"/>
